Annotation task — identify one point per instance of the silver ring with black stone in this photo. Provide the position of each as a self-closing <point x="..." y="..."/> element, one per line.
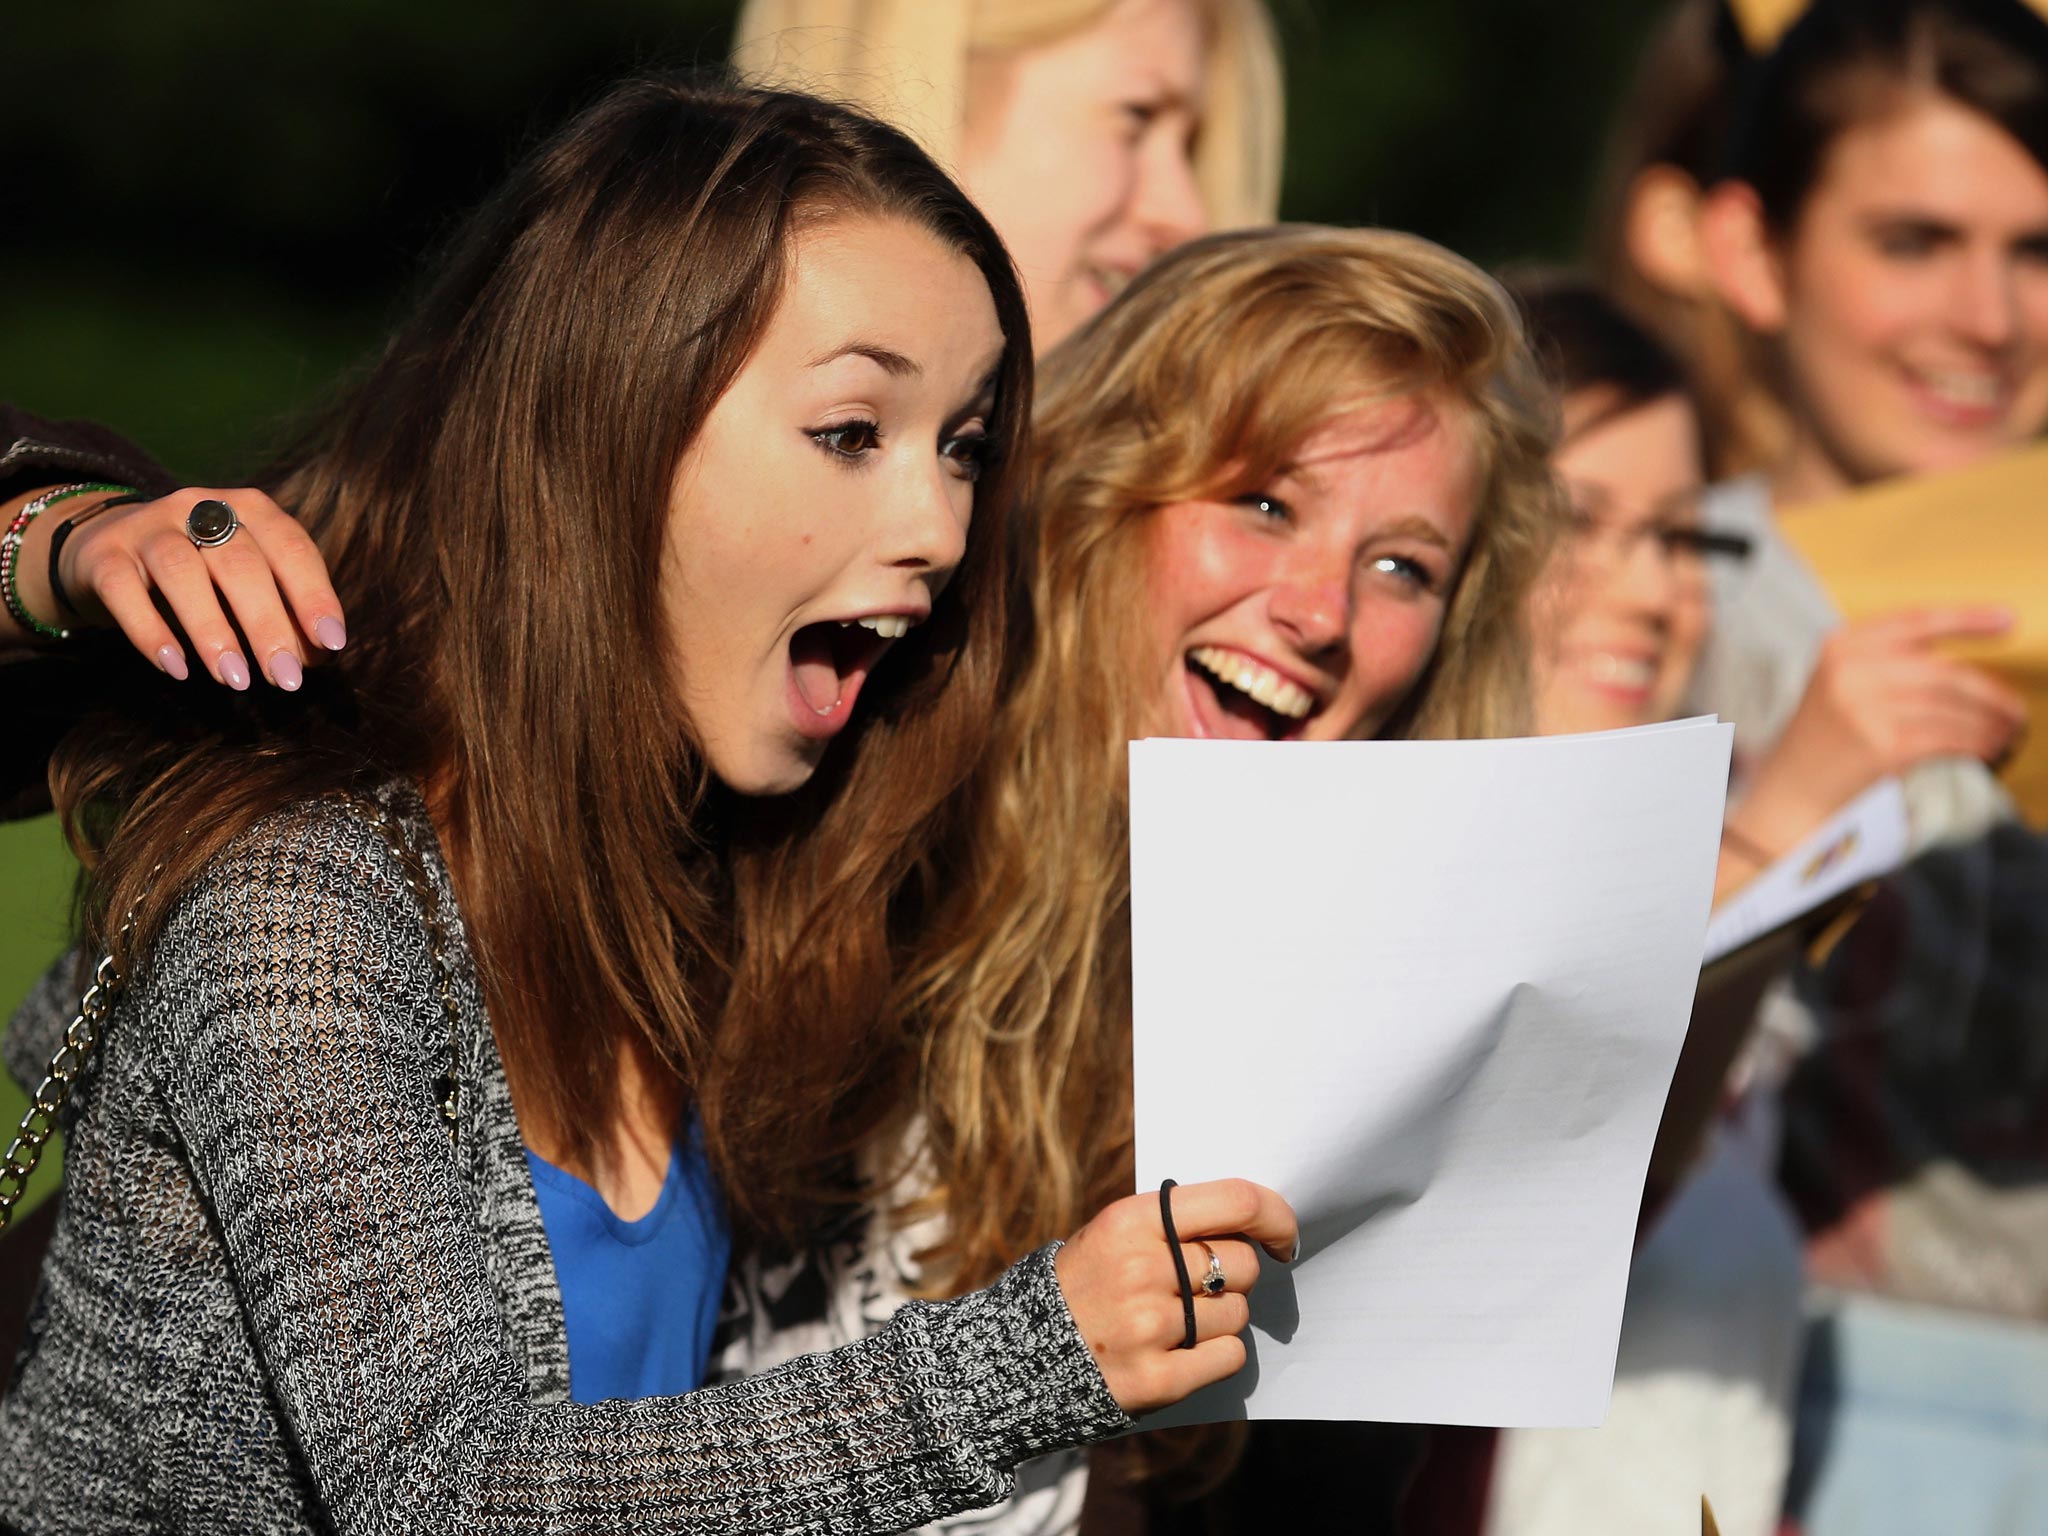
<point x="211" y="523"/>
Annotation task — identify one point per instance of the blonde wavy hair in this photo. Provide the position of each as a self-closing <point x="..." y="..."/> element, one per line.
<point x="1201" y="381"/>
<point x="905" y="61"/>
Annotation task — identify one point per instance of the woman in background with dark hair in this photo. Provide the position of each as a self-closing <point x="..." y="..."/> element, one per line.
<point x="1708" y="1356"/>
<point x="469" y="995"/>
<point x="1665" y="150"/>
<point x="1886" y="238"/>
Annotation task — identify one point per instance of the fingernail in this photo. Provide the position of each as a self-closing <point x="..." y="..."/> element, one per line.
<point x="285" y="671"/>
<point x="1296" y="1253"/>
<point x="329" y="632"/>
<point x="233" y="670"/>
<point x="172" y="660"/>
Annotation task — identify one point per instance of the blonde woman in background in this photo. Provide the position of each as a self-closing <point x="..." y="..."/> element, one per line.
<point x="1095" y="134"/>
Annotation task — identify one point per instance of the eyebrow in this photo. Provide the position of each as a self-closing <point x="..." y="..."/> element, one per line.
<point x="1418" y="528"/>
<point x="891" y="362"/>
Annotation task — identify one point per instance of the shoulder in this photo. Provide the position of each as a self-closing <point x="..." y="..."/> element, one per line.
<point x="320" y="863"/>
<point x="306" y="912"/>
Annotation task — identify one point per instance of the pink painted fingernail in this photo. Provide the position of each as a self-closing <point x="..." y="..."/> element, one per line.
<point x="285" y="671"/>
<point x="172" y="660"/>
<point x="329" y="632"/>
<point x="233" y="670"/>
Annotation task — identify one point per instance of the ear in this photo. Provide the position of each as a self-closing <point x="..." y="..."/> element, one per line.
<point x="1660" y="231"/>
<point x="1743" y="263"/>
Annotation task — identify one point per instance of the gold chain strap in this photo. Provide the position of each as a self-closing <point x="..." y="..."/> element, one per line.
<point x="67" y="1064"/>
<point x="82" y="1035"/>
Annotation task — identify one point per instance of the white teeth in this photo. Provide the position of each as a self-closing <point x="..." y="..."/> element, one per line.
<point x="888" y="626"/>
<point x="1261" y="682"/>
<point x="1623" y="671"/>
<point x="1978" y="391"/>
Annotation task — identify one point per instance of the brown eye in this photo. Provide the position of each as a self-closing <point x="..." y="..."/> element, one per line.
<point x="969" y="454"/>
<point x="849" y="440"/>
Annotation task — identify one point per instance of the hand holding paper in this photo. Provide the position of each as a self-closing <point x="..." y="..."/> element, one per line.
<point x="1971" y="537"/>
<point x="1432" y="993"/>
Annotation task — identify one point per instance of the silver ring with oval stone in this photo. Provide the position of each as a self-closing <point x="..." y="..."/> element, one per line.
<point x="211" y="523"/>
<point x="1212" y="1283"/>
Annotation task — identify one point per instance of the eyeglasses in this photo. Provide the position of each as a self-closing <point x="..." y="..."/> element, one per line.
<point x="1681" y="543"/>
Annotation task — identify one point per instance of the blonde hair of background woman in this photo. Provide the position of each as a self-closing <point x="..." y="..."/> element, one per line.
<point x="1201" y="381"/>
<point x="906" y="62"/>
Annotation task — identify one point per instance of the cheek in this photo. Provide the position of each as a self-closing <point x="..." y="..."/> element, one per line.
<point x="1391" y="645"/>
<point x="1049" y="193"/>
<point x="1569" y="593"/>
<point x="2033" y="301"/>
<point x="1090" y="199"/>
<point x="1691" y="618"/>
<point x="1850" y="309"/>
<point x="1195" y="570"/>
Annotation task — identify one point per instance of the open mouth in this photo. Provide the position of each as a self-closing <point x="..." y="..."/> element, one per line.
<point x="1963" y="397"/>
<point x="1251" y="701"/>
<point x="829" y="661"/>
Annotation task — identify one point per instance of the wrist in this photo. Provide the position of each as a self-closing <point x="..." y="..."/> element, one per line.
<point x="1771" y="821"/>
<point x="27" y="599"/>
<point x="78" y="603"/>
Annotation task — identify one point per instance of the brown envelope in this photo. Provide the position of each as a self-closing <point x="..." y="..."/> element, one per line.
<point x="1977" y="535"/>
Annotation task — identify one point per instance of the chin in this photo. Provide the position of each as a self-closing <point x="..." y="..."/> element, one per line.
<point x="765" y="772"/>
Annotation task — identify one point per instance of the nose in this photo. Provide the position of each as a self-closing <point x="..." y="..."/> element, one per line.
<point x="1985" y="303"/>
<point x="1169" y="201"/>
<point x="1312" y="611"/>
<point x="928" y="531"/>
<point x="1647" y="580"/>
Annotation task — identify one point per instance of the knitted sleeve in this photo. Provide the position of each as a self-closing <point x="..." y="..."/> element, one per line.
<point x="290" y="1020"/>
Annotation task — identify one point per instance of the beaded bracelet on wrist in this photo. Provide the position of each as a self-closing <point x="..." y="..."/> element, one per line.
<point x="10" y="552"/>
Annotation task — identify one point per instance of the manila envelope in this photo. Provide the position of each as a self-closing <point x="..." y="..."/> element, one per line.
<point x="1976" y="535"/>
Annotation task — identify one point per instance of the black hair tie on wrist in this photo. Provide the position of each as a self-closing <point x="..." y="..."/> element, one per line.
<point x="1180" y="1261"/>
<point x="63" y="532"/>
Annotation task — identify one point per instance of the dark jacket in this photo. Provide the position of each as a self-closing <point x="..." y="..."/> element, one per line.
<point x="43" y="693"/>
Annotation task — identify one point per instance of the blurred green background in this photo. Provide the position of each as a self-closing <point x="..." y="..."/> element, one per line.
<point x="215" y="205"/>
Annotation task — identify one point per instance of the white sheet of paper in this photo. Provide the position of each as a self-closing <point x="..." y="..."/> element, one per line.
<point x="1864" y="840"/>
<point x="1432" y="993"/>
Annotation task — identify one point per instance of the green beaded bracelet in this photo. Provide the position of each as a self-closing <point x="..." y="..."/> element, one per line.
<point x="10" y="552"/>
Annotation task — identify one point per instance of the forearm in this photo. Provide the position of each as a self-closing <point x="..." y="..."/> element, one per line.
<point x="923" y="1420"/>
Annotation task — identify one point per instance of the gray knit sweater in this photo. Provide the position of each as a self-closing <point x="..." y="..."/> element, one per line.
<point x="281" y="1298"/>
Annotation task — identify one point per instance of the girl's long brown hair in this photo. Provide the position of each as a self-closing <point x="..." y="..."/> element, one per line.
<point x="492" y="499"/>
<point x="1200" y="382"/>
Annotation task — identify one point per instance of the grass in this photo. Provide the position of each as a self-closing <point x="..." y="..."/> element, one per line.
<point x="35" y="895"/>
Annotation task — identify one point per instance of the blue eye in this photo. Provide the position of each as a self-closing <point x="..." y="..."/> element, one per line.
<point x="969" y="454"/>
<point x="1271" y="508"/>
<point x="1401" y="568"/>
<point x="853" y="440"/>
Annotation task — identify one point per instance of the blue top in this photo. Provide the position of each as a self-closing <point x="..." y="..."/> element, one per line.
<point x="639" y="1298"/>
